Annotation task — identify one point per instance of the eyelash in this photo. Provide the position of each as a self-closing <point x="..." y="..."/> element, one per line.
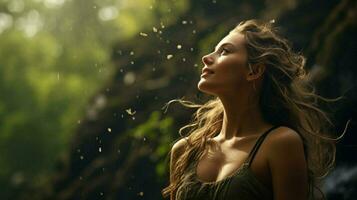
<point x="224" y="50"/>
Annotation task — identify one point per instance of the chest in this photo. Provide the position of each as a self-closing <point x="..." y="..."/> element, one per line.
<point x="219" y="162"/>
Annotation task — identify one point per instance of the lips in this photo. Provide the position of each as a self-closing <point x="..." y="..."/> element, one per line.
<point x="206" y="70"/>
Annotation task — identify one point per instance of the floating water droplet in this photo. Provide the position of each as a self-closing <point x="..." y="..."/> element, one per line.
<point x="143" y="34"/>
<point x="130" y="112"/>
<point x="169" y="56"/>
<point x="179" y="46"/>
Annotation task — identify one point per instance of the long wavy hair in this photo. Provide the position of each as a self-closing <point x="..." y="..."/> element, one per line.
<point x="287" y="98"/>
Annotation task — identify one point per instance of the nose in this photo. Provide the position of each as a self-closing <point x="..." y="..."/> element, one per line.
<point x="207" y="59"/>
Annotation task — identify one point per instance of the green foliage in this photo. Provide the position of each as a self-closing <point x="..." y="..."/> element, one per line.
<point x="53" y="58"/>
<point x="161" y="131"/>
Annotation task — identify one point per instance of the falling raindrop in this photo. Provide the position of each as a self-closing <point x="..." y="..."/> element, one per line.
<point x="118" y="151"/>
<point x="79" y="121"/>
<point x="101" y="194"/>
<point x="154" y="29"/>
<point x="100" y="149"/>
<point x="162" y="25"/>
<point x="272" y="21"/>
<point x="144" y="139"/>
<point x="109" y="130"/>
<point x="169" y="56"/>
<point x="184" y="22"/>
<point x="195" y="65"/>
<point x="133" y="118"/>
<point x="141" y="193"/>
<point x="78" y="150"/>
<point x="184" y="59"/>
<point x="132" y="62"/>
<point x="179" y="46"/>
<point x="214" y="1"/>
<point x="121" y="70"/>
<point x="194" y="32"/>
<point x="191" y="49"/>
<point x="58" y="75"/>
<point x="150" y="7"/>
<point x="80" y="178"/>
<point x="81" y="157"/>
<point x="153" y="69"/>
<point x="131" y="53"/>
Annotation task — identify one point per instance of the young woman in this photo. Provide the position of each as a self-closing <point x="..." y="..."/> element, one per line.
<point x="262" y="135"/>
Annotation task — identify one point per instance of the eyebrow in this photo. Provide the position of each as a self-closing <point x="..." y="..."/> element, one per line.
<point x="225" y="44"/>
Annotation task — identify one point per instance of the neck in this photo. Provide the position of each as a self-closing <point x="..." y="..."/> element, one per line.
<point x="242" y="118"/>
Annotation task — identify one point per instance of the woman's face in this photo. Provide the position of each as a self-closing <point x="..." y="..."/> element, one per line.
<point x="228" y="64"/>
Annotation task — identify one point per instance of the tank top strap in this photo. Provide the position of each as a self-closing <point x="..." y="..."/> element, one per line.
<point x="258" y="143"/>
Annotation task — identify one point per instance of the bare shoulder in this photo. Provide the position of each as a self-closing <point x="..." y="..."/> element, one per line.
<point x="179" y="146"/>
<point x="283" y="138"/>
<point x="284" y="135"/>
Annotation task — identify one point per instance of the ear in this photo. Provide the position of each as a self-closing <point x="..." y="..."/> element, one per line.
<point x="258" y="71"/>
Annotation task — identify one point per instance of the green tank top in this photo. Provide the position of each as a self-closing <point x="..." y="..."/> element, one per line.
<point x="241" y="185"/>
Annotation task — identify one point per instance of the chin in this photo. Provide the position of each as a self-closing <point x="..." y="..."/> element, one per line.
<point x="201" y="87"/>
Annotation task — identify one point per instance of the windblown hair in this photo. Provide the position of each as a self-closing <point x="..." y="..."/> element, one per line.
<point x="287" y="98"/>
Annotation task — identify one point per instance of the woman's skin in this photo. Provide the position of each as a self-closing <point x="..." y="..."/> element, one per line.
<point x="280" y="163"/>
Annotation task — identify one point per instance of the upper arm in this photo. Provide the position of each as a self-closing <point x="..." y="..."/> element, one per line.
<point x="176" y="150"/>
<point x="288" y="165"/>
